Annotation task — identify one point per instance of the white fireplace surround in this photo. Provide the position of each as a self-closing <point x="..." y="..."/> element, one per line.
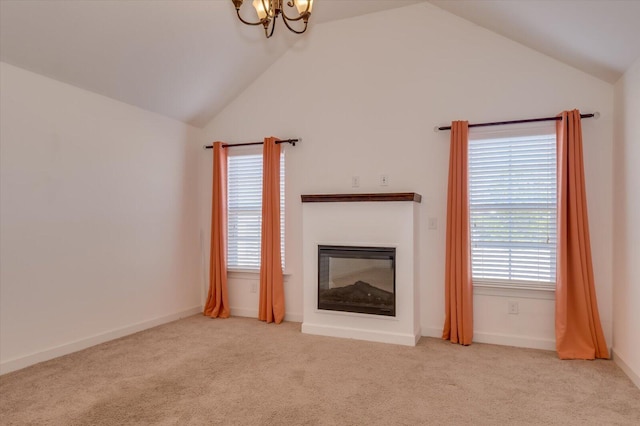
<point x="346" y="220"/>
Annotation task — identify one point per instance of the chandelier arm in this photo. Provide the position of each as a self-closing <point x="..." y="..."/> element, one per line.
<point x="293" y="29"/>
<point x="247" y="22"/>
<point x="270" y="11"/>
<point x="273" y="27"/>
<point x="290" y="3"/>
<point x="303" y="15"/>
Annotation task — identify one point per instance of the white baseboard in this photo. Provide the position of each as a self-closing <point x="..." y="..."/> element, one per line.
<point x="253" y="313"/>
<point x="500" y="339"/>
<point x="244" y="312"/>
<point x="432" y="332"/>
<point x="633" y="376"/>
<point x="359" y="334"/>
<point x="26" y="361"/>
<point x="517" y="341"/>
<point x="293" y="317"/>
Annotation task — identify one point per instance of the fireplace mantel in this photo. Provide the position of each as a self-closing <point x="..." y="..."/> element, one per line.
<point x="346" y="198"/>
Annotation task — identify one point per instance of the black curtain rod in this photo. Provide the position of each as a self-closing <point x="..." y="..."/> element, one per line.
<point x="530" y="120"/>
<point x="231" y="145"/>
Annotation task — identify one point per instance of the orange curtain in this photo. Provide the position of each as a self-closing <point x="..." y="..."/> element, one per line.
<point x="217" y="305"/>
<point x="458" y="325"/>
<point x="578" y="329"/>
<point x="271" y="307"/>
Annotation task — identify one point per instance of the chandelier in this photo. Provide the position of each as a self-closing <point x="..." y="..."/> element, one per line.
<point x="269" y="10"/>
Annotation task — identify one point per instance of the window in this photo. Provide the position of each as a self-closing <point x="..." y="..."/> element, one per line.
<point x="512" y="210"/>
<point x="244" y="192"/>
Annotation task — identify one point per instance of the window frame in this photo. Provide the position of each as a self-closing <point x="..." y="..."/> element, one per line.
<point x="254" y="151"/>
<point x="493" y="285"/>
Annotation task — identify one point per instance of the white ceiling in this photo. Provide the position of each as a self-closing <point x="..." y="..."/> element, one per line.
<point x="600" y="37"/>
<point x="182" y="58"/>
<point x="187" y="59"/>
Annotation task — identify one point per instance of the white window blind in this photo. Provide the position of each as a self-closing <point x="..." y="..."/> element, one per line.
<point x="244" y="192"/>
<point x="512" y="202"/>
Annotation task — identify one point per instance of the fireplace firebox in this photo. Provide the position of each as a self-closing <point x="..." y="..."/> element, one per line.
<point x="357" y="279"/>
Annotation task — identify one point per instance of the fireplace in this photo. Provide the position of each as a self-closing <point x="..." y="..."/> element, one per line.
<point x="357" y="279"/>
<point x="349" y="240"/>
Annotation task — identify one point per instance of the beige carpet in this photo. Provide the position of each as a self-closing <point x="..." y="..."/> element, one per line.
<point x="199" y="371"/>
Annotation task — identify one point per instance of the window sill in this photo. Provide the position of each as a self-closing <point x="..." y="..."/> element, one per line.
<point x="249" y="274"/>
<point x="522" y="292"/>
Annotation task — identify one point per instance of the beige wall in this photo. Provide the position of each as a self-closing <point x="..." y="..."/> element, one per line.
<point x="365" y="94"/>
<point x="98" y="218"/>
<point x="626" y="289"/>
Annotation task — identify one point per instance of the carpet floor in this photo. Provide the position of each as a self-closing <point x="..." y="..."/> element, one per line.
<point x="239" y="371"/>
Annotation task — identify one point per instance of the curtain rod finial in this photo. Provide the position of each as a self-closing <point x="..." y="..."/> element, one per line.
<point x="435" y="129"/>
<point x="596" y="115"/>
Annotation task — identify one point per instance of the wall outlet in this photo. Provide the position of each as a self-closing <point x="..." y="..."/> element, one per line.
<point x="254" y="287"/>
<point x="384" y="180"/>
<point x="433" y="223"/>
<point x="513" y="308"/>
<point x="355" y="181"/>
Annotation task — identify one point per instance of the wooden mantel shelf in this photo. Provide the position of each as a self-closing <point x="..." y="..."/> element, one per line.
<point x="346" y="198"/>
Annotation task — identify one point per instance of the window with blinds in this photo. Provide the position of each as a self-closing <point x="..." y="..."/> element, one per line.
<point x="512" y="208"/>
<point x="244" y="209"/>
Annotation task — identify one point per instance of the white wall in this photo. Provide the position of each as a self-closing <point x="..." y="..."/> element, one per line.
<point x="99" y="233"/>
<point x="626" y="290"/>
<point x="365" y="94"/>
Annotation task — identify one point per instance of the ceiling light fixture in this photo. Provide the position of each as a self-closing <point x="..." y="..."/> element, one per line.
<point x="269" y="10"/>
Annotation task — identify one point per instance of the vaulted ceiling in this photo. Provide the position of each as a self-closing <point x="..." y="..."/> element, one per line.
<point x="601" y="37"/>
<point x="187" y="59"/>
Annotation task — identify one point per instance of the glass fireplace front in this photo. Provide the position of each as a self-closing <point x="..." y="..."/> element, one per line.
<point x="357" y="279"/>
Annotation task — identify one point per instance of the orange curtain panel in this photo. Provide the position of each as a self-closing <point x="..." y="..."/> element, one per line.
<point x="578" y="329"/>
<point x="271" y="307"/>
<point x="217" y="305"/>
<point x="458" y="325"/>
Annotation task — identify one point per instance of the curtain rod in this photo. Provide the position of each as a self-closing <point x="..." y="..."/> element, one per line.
<point x="595" y="115"/>
<point x="231" y="145"/>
